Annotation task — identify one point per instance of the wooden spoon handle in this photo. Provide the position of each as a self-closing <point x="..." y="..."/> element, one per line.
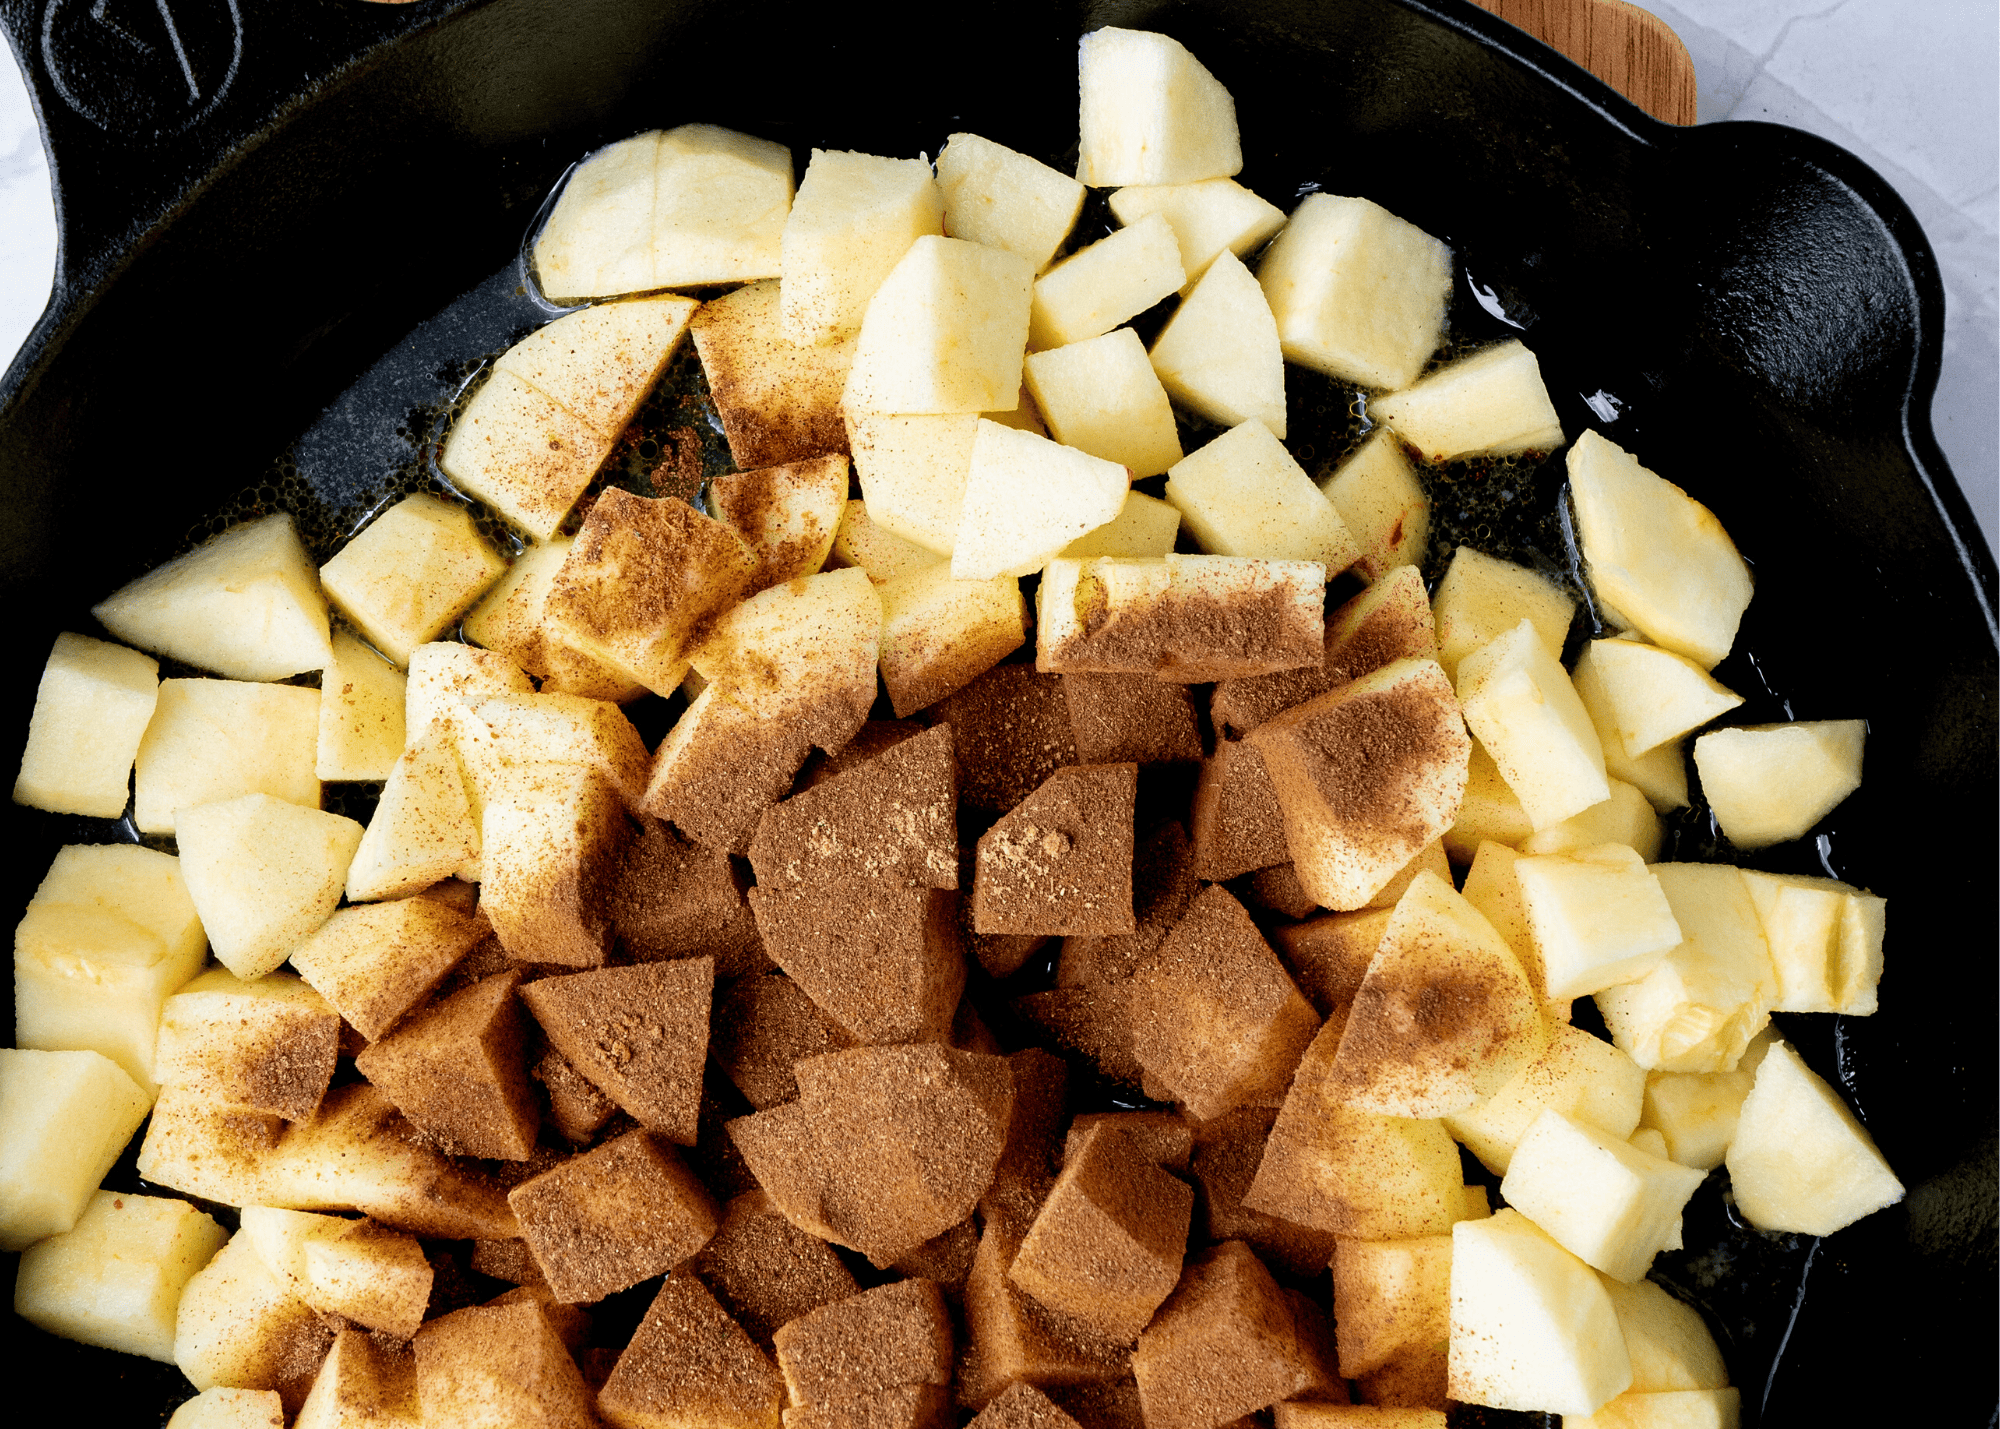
<point x="1628" y="48"/>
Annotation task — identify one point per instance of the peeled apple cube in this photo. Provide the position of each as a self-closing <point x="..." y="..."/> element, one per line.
<point x="91" y="710"/>
<point x="411" y="574"/>
<point x="861" y="541"/>
<point x="247" y="605"/>
<point x="945" y="332"/>
<point x="360" y="714"/>
<point x="1531" y="1325"/>
<point x="1599" y="917"/>
<point x="1218" y="354"/>
<point x="1382" y="504"/>
<point x="600" y="362"/>
<point x="1520" y="704"/>
<point x="238" y="1327"/>
<point x="1656" y="557"/>
<point x="1145" y="528"/>
<point x="1660" y="773"/>
<point x="940" y="634"/>
<point x="1607" y="1202"/>
<point x="599" y="238"/>
<point x="1096" y="288"/>
<point x="223" y="1408"/>
<point x="64" y="1117"/>
<point x="1244" y="495"/>
<point x="1825" y="939"/>
<point x="912" y="472"/>
<point x="1771" y="782"/>
<point x="1483" y="597"/>
<point x="1801" y="1161"/>
<point x="1583" y="1077"/>
<point x="1150" y="113"/>
<point x="1625" y="818"/>
<point x="1492" y="403"/>
<point x="1206" y="217"/>
<point x="263" y="875"/>
<point x="1102" y="396"/>
<point x="1697" y="1010"/>
<point x="1358" y="293"/>
<point x="1026" y="498"/>
<point x="115" y="1278"/>
<point x="995" y="196"/>
<point x="1653" y="695"/>
<point x="854" y="217"/>
<point x="1669" y="1344"/>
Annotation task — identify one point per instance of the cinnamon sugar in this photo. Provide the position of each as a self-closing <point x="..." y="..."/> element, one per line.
<point x="1061" y="861"/>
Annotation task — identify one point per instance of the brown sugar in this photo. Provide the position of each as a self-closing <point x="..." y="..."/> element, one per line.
<point x="1061" y="861"/>
<point x="1011" y="730"/>
<point x="690" y="1363"/>
<point x="677" y="899"/>
<point x="765" y="1271"/>
<point x="640" y="1034"/>
<point x="1092" y="1022"/>
<point x="1214" y="1015"/>
<point x="1162" y="1137"/>
<point x="499" y="1364"/>
<point x="1163" y="884"/>
<point x="1222" y="1346"/>
<point x="883" y="962"/>
<point x="1366" y="776"/>
<point x="1013" y="1337"/>
<point x="1329" y="955"/>
<point x="1227" y="1153"/>
<point x="1022" y="1406"/>
<point x="1236" y="822"/>
<point x="892" y="1335"/>
<point x="576" y="1108"/>
<point x="886" y="1146"/>
<point x="762" y="1026"/>
<point x="1106" y="1247"/>
<point x="1121" y="719"/>
<point x="456" y="1071"/>
<point x="612" y="1217"/>
<point x="890" y="820"/>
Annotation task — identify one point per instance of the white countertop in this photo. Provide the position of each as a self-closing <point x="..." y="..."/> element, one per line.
<point x="1912" y="89"/>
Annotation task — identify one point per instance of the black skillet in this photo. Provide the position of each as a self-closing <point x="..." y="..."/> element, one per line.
<point x="263" y="201"/>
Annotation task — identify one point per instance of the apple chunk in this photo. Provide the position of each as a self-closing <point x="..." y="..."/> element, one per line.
<point x="854" y="217"/>
<point x="1026" y="498"/>
<point x="1771" y="782"/>
<point x="1801" y="1161"/>
<point x="91" y="710"/>
<point x="1002" y="199"/>
<point x="1218" y="354"/>
<point x="1520" y="704"/>
<point x="263" y="874"/>
<point x="1151" y="113"/>
<point x="115" y="1279"/>
<point x="1492" y="403"/>
<point x="944" y="333"/>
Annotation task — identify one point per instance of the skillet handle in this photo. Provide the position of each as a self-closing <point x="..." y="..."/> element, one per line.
<point x="1630" y="49"/>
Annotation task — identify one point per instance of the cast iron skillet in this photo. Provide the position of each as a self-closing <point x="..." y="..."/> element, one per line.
<point x="259" y="205"/>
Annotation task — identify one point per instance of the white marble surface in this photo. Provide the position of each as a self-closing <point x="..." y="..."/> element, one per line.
<point x="1913" y="88"/>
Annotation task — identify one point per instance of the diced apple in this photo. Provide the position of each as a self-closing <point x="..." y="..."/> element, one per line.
<point x="1626" y="817"/>
<point x="64" y="1117"/>
<point x="218" y="739"/>
<point x="945" y="332"/>
<point x="362" y="1383"/>
<point x="1218" y="354"/>
<point x="208" y="1149"/>
<point x="1390" y="1298"/>
<point x="1584" y="1077"/>
<point x="247" y="605"/>
<point x="523" y="453"/>
<point x="1243" y="495"/>
<point x="554" y="729"/>
<point x="940" y="634"/>
<point x="1825" y="939"/>
<point x="599" y="238"/>
<point x="1027" y="497"/>
<point x="1151" y="113"/>
<point x="361" y="699"/>
<point x="1653" y="695"/>
<point x="1699" y="1007"/>
<point x="1382" y="504"/>
<point x="779" y="402"/>
<point x="1491" y="887"/>
<point x="1801" y="1161"/>
<point x="424" y="828"/>
<point x="1207" y="217"/>
<point x="643" y="578"/>
<point x="1695" y="1112"/>
<point x="108" y="936"/>
<point x="220" y="1407"/>
<point x="266" y="1046"/>
<point x="1599" y="916"/>
<point x="1520" y="705"/>
<point x="853" y="219"/>
<point x="600" y="362"/>
<point x="1185" y="619"/>
<point x="802" y="653"/>
<point x="376" y="961"/>
<point x="1660" y="773"/>
<point x="860" y="541"/>
<point x="1102" y="396"/>
<point x="1144" y="528"/>
<point x="1481" y="598"/>
<point x="411" y="573"/>
<point x="1357" y="292"/>
<point x="1771" y="782"/>
<point x="1489" y="812"/>
<point x="551" y="836"/>
<point x="375" y="1277"/>
<point x="912" y="471"/>
<point x="1655" y="556"/>
<point x="995" y="196"/>
<point x="1098" y="287"/>
<point x="447" y="678"/>
<point x="1602" y="1199"/>
<point x="91" y="710"/>
<point x="787" y="515"/>
<point x="1492" y="403"/>
<point x="1399" y="1055"/>
<point x="1670" y="1347"/>
<point x="238" y="1327"/>
<point x="1669" y="1409"/>
<point x="115" y="1278"/>
<point x="1531" y="1325"/>
<point x="263" y="874"/>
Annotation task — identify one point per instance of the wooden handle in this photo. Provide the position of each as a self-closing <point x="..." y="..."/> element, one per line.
<point x="1629" y="49"/>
